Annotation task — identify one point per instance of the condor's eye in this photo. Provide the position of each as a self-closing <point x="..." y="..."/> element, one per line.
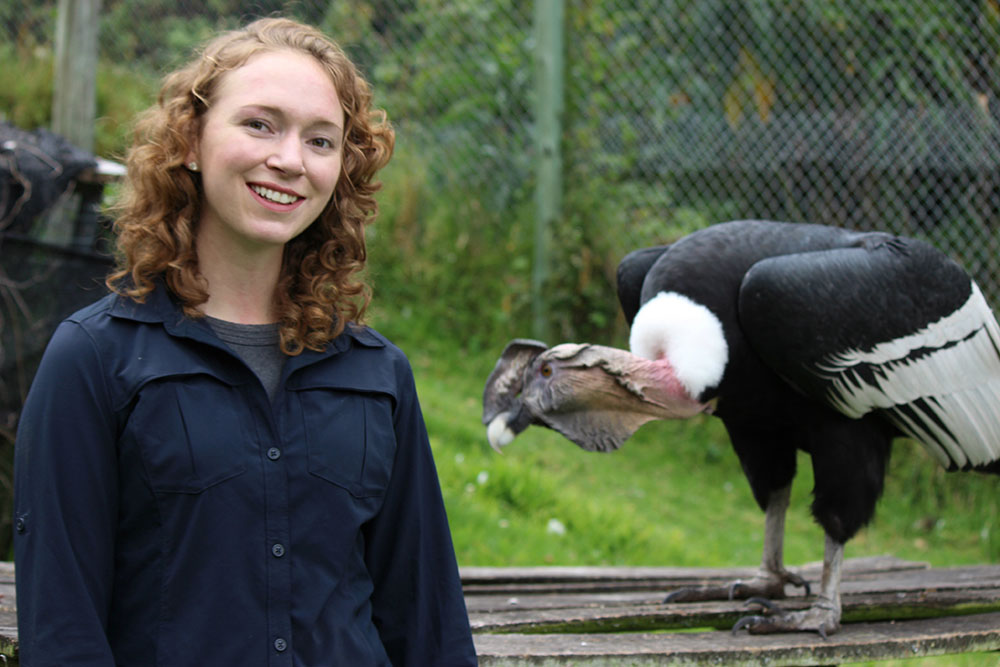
<point x="545" y="370"/>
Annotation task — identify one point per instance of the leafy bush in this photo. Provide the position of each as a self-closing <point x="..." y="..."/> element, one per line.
<point x="25" y="87"/>
<point x="446" y="262"/>
<point x="26" y="81"/>
<point x="122" y="92"/>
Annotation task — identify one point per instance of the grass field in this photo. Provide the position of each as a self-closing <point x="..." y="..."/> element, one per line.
<point x="673" y="495"/>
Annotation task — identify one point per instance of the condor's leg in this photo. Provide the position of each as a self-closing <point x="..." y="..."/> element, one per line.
<point x="849" y="461"/>
<point x="824" y="614"/>
<point x="770" y="581"/>
<point x="767" y="455"/>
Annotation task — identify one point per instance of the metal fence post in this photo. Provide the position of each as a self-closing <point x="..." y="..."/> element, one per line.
<point x="548" y="64"/>
<point x="74" y="95"/>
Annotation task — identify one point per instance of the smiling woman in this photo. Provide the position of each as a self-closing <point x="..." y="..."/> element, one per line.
<point x="219" y="464"/>
<point x="253" y="73"/>
<point x="269" y="152"/>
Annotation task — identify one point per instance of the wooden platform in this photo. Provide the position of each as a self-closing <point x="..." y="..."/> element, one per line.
<point x="558" y="616"/>
<point x="8" y="615"/>
<point x="614" y="616"/>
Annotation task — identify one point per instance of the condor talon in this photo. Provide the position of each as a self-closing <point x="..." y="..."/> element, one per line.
<point x="763" y="602"/>
<point x="748" y="622"/>
<point x="674" y="596"/>
<point x="733" y="587"/>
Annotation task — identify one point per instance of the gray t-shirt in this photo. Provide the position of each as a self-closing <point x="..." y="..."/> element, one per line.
<point x="258" y="346"/>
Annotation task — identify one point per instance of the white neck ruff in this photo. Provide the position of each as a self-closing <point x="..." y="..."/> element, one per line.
<point x="688" y="335"/>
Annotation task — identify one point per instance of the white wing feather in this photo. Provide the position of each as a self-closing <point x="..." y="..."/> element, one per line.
<point x="940" y="385"/>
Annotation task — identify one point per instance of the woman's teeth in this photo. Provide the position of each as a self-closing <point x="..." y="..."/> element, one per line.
<point x="272" y="195"/>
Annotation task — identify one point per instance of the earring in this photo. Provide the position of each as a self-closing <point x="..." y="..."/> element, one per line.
<point x="192" y="165"/>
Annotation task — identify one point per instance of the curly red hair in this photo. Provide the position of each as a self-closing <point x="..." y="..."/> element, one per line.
<point x="319" y="290"/>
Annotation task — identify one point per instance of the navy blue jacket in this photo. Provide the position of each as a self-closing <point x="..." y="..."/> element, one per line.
<point x="168" y="513"/>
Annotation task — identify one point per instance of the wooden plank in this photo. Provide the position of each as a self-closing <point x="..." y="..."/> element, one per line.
<point x="559" y="573"/>
<point x="854" y="642"/>
<point x="983" y="576"/>
<point x="8" y="614"/>
<point x="899" y="594"/>
<point x="723" y="615"/>
<point x="620" y="622"/>
<point x="507" y="581"/>
<point x="489" y="606"/>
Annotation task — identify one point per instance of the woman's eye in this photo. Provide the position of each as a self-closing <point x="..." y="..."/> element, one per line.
<point x="255" y="124"/>
<point x="322" y="142"/>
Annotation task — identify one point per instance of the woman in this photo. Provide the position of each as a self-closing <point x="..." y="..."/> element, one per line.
<point x="216" y="464"/>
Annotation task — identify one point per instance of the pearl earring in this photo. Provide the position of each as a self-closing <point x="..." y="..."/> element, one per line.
<point x="193" y="166"/>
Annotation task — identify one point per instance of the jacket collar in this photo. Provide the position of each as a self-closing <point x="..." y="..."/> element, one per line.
<point x="162" y="307"/>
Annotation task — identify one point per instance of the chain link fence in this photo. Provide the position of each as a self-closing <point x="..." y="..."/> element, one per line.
<point x="873" y="114"/>
<point x="864" y="114"/>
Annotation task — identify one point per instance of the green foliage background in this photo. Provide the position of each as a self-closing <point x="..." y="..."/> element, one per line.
<point x="451" y="252"/>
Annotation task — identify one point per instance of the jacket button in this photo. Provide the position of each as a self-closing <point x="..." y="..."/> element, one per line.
<point x="278" y="550"/>
<point x="19" y="525"/>
<point x="274" y="453"/>
<point x="280" y="644"/>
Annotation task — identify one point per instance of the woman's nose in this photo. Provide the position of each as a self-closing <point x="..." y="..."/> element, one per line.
<point x="287" y="157"/>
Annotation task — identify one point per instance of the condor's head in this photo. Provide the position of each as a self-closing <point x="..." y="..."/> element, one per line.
<point x="599" y="396"/>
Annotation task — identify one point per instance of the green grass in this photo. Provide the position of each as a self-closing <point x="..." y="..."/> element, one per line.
<point x="966" y="660"/>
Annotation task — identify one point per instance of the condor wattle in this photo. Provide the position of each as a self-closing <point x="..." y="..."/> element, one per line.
<point x="798" y="337"/>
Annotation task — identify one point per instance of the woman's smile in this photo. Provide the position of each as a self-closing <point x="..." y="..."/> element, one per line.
<point x="275" y="197"/>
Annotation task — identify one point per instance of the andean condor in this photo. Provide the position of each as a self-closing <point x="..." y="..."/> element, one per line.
<point x="797" y="336"/>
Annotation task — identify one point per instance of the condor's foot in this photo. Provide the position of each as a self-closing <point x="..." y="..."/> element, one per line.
<point x="823" y="617"/>
<point x="765" y="585"/>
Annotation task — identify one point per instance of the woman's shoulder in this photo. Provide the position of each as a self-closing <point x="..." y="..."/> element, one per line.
<point x="86" y="323"/>
<point x="95" y="310"/>
<point x="370" y="357"/>
<point x="118" y="330"/>
<point x="155" y="306"/>
<point x="365" y="336"/>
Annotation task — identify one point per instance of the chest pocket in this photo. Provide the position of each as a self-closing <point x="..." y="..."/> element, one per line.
<point x="188" y="433"/>
<point x="350" y="439"/>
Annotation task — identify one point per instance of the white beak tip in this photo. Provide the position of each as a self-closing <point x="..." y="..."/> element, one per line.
<point x="499" y="434"/>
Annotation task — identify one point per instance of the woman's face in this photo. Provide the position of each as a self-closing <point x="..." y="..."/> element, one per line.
<point x="269" y="151"/>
